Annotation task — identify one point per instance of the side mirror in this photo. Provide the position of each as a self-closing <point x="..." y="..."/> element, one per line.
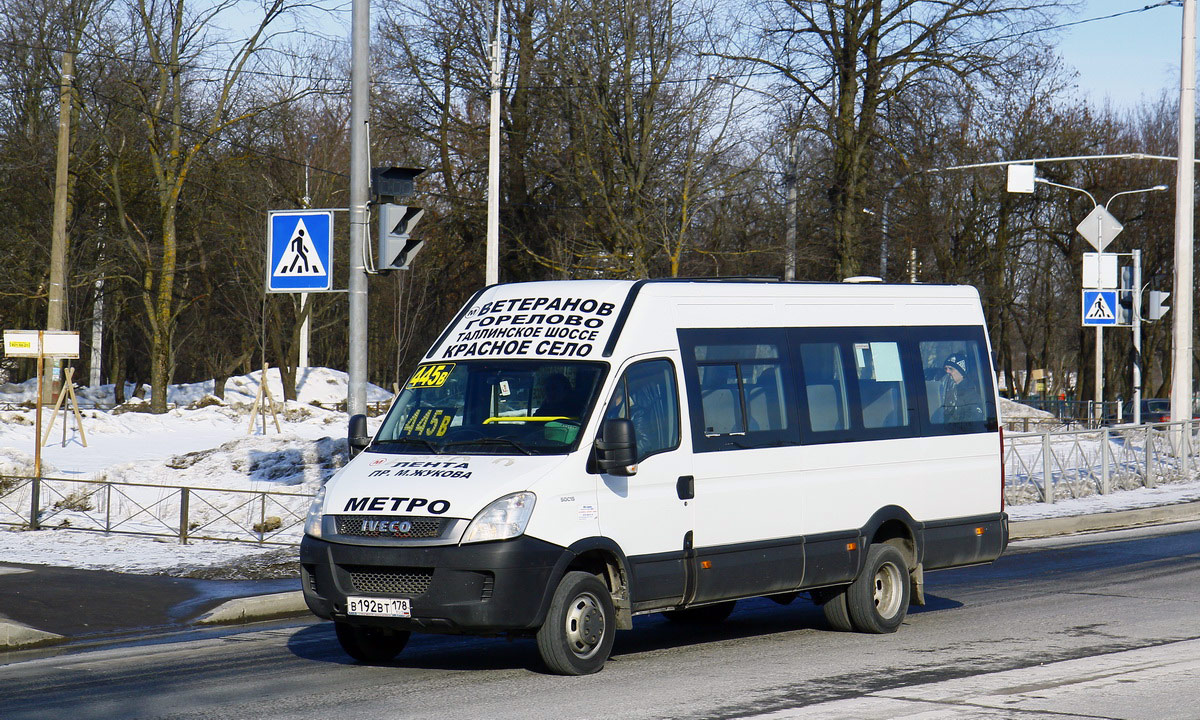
<point x="356" y="435"/>
<point x="616" y="448"/>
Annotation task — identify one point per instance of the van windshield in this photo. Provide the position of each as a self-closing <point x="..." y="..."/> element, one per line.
<point x="492" y="407"/>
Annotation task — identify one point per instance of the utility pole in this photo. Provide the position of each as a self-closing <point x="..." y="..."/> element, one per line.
<point x="360" y="28"/>
<point x="305" y="311"/>
<point x="56" y="311"/>
<point x="1181" y="365"/>
<point x="492" y="268"/>
<point x="789" y="268"/>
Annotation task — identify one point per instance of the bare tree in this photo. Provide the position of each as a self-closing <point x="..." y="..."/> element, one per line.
<point x="851" y="58"/>
<point x="184" y="106"/>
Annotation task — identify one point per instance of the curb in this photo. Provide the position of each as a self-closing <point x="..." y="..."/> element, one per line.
<point x="15" y="635"/>
<point x="1049" y="527"/>
<point x="255" y="607"/>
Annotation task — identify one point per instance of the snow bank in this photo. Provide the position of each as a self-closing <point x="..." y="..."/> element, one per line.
<point x="1010" y="409"/>
<point x="313" y="385"/>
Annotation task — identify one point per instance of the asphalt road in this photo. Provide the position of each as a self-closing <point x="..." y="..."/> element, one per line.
<point x="1105" y="626"/>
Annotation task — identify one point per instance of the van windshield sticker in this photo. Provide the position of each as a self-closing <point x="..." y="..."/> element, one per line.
<point x="430" y="376"/>
<point x="429" y="422"/>
<point x="543" y="326"/>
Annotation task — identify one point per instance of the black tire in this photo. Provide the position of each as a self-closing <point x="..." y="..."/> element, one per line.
<point x="370" y="645"/>
<point x="704" y="615"/>
<point x="833" y="604"/>
<point x="878" y="599"/>
<point x="580" y="627"/>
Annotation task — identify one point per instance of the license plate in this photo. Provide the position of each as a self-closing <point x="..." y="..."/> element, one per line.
<point x="379" y="607"/>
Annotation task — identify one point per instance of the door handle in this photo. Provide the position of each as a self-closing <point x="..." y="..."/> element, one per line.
<point x="685" y="487"/>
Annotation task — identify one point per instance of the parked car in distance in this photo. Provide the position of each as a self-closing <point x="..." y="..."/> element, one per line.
<point x="1154" y="410"/>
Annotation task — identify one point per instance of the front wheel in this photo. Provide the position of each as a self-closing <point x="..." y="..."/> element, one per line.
<point x="580" y="627"/>
<point x="370" y="645"/>
<point x="877" y="600"/>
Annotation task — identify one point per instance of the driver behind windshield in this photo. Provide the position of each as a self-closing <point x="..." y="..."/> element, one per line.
<point x="559" y="398"/>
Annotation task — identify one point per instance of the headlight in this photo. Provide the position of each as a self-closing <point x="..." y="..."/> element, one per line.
<point x="505" y="518"/>
<point x="312" y="524"/>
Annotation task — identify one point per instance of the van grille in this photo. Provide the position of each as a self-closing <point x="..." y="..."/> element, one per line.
<point x="390" y="581"/>
<point x="390" y="526"/>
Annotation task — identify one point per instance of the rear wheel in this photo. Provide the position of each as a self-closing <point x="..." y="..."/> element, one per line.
<point x="703" y="615"/>
<point x="833" y="604"/>
<point x="580" y="627"/>
<point x="370" y="644"/>
<point x="877" y="600"/>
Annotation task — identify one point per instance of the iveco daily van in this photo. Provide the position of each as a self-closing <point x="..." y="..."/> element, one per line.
<point x="571" y="454"/>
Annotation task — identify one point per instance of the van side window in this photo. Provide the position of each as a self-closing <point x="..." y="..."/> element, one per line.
<point x="647" y="395"/>
<point x="824" y="387"/>
<point x="741" y="388"/>
<point x="957" y="394"/>
<point x="881" y="384"/>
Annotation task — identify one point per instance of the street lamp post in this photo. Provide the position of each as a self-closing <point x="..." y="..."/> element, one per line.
<point x="1181" y="366"/>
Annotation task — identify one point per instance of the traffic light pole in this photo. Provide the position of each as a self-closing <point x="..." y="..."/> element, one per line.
<point x="1098" y="409"/>
<point x="1137" y="337"/>
<point x="356" y="392"/>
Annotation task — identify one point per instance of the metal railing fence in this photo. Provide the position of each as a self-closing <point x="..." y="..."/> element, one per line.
<point x="1039" y="467"/>
<point x="1051" y="466"/>
<point x="183" y="513"/>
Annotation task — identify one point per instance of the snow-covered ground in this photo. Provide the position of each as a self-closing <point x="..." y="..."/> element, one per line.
<point x="206" y="444"/>
<point x="202" y="443"/>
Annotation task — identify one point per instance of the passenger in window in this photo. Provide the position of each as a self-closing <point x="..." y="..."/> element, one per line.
<point x="961" y="399"/>
<point x="559" y="400"/>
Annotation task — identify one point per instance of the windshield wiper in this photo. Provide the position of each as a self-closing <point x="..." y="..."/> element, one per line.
<point x="491" y="441"/>
<point x="433" y="448"/>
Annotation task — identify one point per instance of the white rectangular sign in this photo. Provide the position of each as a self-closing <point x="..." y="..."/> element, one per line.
<point x="1100" y="270"/>
<point x="45" y="343"/>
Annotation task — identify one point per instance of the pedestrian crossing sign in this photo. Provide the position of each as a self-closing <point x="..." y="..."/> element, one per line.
<point x="1099" y="307"/>
<point x="299" y="250"/>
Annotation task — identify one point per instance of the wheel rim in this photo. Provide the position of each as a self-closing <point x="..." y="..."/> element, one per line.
<point x="585" y="625"/>
<point x="887" y="591"/>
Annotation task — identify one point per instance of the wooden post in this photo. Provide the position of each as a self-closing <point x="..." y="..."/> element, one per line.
<point x="37" y="419"/>
<point x="254" y="411"/>
<point x="261" y="400"/>
<point x="269" y="398"/>
<point x="75" y="406"/>
<point x="68" y="391"/>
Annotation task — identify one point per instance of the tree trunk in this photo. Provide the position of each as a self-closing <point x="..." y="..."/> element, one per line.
<point x="162" y="313"/>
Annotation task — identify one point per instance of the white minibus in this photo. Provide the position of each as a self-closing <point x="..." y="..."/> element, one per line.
<point x="571" y="454"/>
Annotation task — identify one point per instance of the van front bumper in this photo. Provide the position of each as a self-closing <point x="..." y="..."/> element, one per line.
<point x="478" y="588"/>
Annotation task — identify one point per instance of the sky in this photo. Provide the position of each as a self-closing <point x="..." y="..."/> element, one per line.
<point x="1123" y="59"/>
<point x="1127" y="58"/>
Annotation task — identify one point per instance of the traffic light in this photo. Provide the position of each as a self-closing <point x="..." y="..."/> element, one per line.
<point x="1125" y="297"/>
<point x="1155" y="308"/>
<point x="396" y="248"/>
